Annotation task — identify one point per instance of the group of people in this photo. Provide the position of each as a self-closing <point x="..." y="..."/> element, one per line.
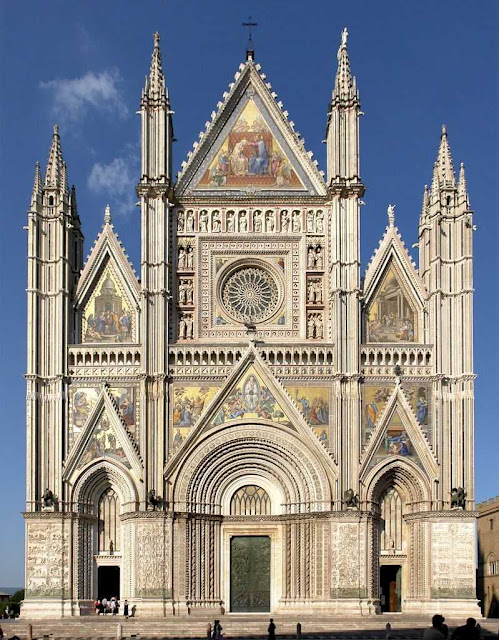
<point x="109" y="324"/>
<point x="439" y="630"/>
<point x="111" y="606"/>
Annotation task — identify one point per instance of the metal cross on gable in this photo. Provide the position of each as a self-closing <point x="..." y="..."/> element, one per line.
<point x="250" y="23"/>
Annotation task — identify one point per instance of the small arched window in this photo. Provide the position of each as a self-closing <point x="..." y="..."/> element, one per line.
<point x="51" y="201"/>
<point x="492" y="562"/>
<point x="109" y="523"/>
<point x="250" y="500"/>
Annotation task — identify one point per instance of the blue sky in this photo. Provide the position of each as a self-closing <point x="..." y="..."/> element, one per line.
<point x="82" y="64"/>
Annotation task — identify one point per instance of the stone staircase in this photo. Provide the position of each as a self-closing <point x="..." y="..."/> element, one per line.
<point x="234" y="627"/>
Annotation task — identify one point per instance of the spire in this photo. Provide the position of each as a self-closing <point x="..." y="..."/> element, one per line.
<point x="462" y="188"/>
<point x="344" y="85"/>
<point x="37" y="186"/>
<point x="446" y="175"/>
<point x="155" y="84"/>
<point x="55" y="176"/>
<point x="107" y="215"/>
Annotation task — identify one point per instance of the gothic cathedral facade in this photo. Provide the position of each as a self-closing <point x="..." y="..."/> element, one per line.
<point x="250" y="426"/>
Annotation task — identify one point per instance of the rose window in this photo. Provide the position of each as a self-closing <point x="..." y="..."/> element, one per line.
<point x="250" y="294"/>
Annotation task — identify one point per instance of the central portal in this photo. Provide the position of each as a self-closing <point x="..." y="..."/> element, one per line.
<point x="250" y="574"/>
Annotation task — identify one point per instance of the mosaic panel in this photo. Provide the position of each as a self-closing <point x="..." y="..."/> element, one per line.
<point x="250" y="156"/>
<point x="251" y="399"/>
<point x="313" y="402"/>
<point x="390" y="316"/>
<point x="188" y="404"/>
<point x="108" y="315"/>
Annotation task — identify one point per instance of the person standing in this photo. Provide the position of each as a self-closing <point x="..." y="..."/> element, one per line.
<point x="125" y="609"/>
<point x="104" y="606"/>
<point x="217" y="630"/>
<point x="271" y="629"/>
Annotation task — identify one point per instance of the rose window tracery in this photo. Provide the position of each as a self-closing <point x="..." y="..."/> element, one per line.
<point x="250" y="294"/>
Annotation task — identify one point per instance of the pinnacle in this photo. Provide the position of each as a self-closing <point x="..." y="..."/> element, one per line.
<point x="343" y="85"/>
<point x="426" y="201"/>
<point x="446" y="175"/>
<point x="462" y="188"/>
<point x="37" y="185"/>
<point x="56" y="174"/>
<point x="155" y="84"/>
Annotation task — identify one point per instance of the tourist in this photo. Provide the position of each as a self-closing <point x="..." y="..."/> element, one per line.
<point x="125" y="609"/>
<point x="271" y="629"/>
<point x="97" y="607"/>
<point x="469" y="631"/>
<point x="217" y="630"/>
<point x="438" y="629"/>
<point x="1" y="632"/>
<point x="104" y="606"/>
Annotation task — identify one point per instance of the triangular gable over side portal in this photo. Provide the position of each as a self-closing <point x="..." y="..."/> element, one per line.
<point x="250" y="147"/>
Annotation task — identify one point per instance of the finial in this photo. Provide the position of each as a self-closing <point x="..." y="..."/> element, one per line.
<point x="56" y="129"/>
<point x="444" y="130"/>
<point x="391" y="215"/>
<point x="107" y="215"/>
<point x="156" y="40"/>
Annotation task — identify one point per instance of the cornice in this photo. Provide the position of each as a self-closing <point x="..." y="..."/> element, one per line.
<point x="460" y="514"/>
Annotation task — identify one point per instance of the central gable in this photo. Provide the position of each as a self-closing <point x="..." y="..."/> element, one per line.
<point x="250" y="147"/>
<point x="250" y="154"/>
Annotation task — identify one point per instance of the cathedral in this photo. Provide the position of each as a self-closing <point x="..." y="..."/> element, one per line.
<point x="252" y="425"/>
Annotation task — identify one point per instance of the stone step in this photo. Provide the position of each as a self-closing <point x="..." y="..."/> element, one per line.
<point x="244" y="627"/>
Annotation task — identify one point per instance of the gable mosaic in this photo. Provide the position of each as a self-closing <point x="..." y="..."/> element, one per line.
<point x="250" y="156"/>
<point x="390" y="316"/>
<point x="375" y="397"/>
<point x="103" y="443"/>
<point x="251" y="399"/>
<point x="108" y="316"/>
<point x="395" y="442"/>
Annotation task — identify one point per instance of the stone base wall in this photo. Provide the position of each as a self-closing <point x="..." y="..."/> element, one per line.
<point x="324" y="564"/>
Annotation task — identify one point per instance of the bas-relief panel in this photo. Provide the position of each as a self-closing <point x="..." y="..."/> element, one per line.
<point x="82" y="400"/>
<point x="313" y="402"/>
<point x="251" y="399"/>
<point x="375" y="397"/>
<point x="390" y="316"/>
<point x="108" y="316"/>
<point x="103" y="443"/>
<point x="250" y="156"/>
<point x="47" y="572"/>
<point x="152" y="552"/>
<point x="453" y="559"/>
<point x="348" y="549"/>
<point x="188" y="405"/>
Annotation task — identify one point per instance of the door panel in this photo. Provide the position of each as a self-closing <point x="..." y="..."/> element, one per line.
<point x="250" y="574"/>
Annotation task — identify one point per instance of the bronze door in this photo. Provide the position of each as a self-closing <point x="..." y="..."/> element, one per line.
<point x="250" y="574"/>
